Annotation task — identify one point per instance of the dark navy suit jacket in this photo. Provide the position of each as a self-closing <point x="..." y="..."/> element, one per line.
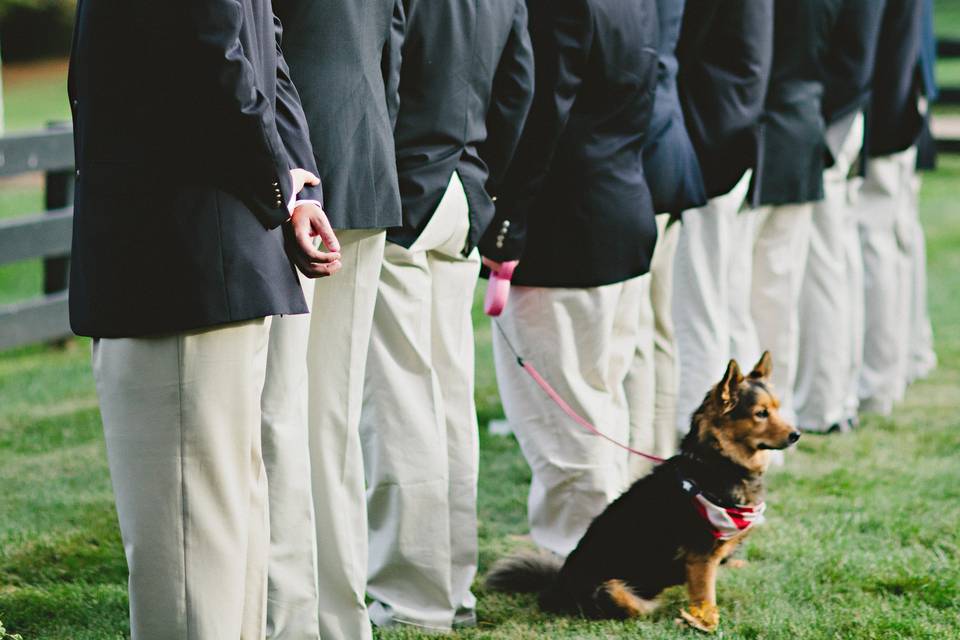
<point x="186" y="126"/>
<point x="575" y="195"/>
<point x="344" y="58"/>
<point x="725" y="52"/>
<point x="670" y="162"/>
<point x="895" y="118"/>
<point x="466" y="82"/>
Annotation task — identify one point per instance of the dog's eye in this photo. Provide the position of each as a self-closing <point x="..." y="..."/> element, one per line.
<point x="762" y="414"/>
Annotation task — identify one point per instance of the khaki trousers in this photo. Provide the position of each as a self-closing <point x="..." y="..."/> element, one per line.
<point x="651" y="384"/>
<point x="711" y="295"/>
<point x="885" y="237"/>
<point x="340" y="330"/>
<point x="181" y="416"/>
<point x="583" y="342"/>
<point x="779" y="261"/>
<point x="311" y="414"/>
<point x="826" y="356"/>
<point x="292" y="575"/>
<point x="921" y="358"/>
<point x="419" y="428"/>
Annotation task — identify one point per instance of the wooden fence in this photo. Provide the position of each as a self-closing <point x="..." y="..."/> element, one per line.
<point x="949" y="49"/>
<point x="40" y="235"/>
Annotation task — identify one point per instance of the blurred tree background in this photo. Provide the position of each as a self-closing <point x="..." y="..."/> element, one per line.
<point x="31" y="29"/>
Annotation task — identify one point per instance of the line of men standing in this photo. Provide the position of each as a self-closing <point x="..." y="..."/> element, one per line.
<point x="274" y="469"/>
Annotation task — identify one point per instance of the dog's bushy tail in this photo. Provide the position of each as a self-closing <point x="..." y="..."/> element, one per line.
<point x="524" y="572"/>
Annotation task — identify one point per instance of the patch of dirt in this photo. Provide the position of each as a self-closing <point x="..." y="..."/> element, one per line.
<point x="23" y="72"/>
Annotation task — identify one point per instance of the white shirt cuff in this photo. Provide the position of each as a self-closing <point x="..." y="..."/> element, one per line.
<point x="294" y="203"/>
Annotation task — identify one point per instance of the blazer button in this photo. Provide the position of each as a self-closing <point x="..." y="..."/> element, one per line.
<point x="493" y="198"/>
<point x="506" y="224"/>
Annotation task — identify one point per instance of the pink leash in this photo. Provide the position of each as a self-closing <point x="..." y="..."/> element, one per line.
<point x="567" y="409"/>
<point x="498" y="291"/>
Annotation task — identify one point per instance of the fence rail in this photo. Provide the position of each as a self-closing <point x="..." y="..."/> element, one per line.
<point x="46" y="235"/>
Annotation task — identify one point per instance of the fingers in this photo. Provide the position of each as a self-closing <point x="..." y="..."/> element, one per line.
<point x="306" y="248"/>
<point x="317" y="270"/>
<point x="493" y="265"/>
<point x="321" y="228"/>
<point x="310" y="260"/>
<point x="302" y="177"/>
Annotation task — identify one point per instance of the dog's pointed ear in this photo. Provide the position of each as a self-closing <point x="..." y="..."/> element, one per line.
<point x="728" y="391"/>
<point x="763" y="368"/>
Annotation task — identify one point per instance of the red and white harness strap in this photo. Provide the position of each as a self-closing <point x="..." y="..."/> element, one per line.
<point x="727" y="522"/>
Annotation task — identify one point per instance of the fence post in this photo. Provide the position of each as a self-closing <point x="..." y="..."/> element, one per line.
<point x="58" y="194"/>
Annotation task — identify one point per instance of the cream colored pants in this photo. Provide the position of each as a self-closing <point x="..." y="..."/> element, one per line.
<point x="826" y="356"/>
<point x="779" y="261"/>
<point x="651" y="384"/>
<point x="311" y="416"/>
<point x="711" y="295"/>
<point x="181" y="416"/>
<point x="582" y="341"/>
<point x="886" y="234"/>
<point x="921" y="358"/>
<point x="419" y="428"/>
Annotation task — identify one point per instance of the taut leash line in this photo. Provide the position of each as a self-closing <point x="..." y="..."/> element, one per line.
<point x="560" y="402"/>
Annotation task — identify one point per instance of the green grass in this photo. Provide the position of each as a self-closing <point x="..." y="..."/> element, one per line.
<point x="863" y="539"/>
<point x="946" y="18"/>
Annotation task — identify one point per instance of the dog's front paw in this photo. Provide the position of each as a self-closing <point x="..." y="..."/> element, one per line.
<point x="704" y="616"/>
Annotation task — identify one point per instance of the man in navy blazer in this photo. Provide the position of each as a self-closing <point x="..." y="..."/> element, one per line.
<point x="191" y="150"/>
<point x="828" y="369"/>
<point x="676" y="184"/>
<point x="344" y="58"/>
<point x="897" y="336"/>
<point x="466" y="82"/>
<point x="725" y="53"/>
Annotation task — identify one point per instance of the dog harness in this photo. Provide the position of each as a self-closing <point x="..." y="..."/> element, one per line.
<point x="725" y="522"/>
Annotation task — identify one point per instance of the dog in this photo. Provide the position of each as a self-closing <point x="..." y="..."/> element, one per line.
<point x="674" y="526"/>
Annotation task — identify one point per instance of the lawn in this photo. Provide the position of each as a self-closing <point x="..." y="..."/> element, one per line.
<point x="946" y="18"/>
<point x="863" y="537"/>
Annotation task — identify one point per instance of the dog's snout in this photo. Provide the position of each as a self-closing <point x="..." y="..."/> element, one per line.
<point x="794" y="436"/>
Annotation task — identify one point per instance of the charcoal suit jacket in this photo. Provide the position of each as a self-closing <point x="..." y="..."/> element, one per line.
<point x="186" y="126"/>
<point x="895" y="120"/>
<point x="793" y="144"/>
<point x="466" y="82"/>
<point x="848" y="67"/>
<point x="725" y="52"/>
<point x="344" y="58"/>
<point x="576" y="195"/>
<point x="669" y="159"/>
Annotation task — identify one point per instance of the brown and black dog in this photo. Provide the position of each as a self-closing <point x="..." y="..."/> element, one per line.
<point x="675" y="525"/>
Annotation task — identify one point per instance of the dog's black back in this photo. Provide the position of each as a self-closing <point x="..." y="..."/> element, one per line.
<point x="637" y="539"/>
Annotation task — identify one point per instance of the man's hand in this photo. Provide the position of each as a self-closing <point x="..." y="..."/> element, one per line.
<point x="493" y="265"/>
<point x="301" y="178"/>
<point x="307" y="222"/>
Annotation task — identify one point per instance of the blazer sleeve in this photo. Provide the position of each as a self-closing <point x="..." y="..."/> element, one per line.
<point x="561" y="33"/>
<point x="391" y="59"/>
<point x="511" y="96"/>
<point x="211" y="29"/>
<point x="292" y="123"/>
